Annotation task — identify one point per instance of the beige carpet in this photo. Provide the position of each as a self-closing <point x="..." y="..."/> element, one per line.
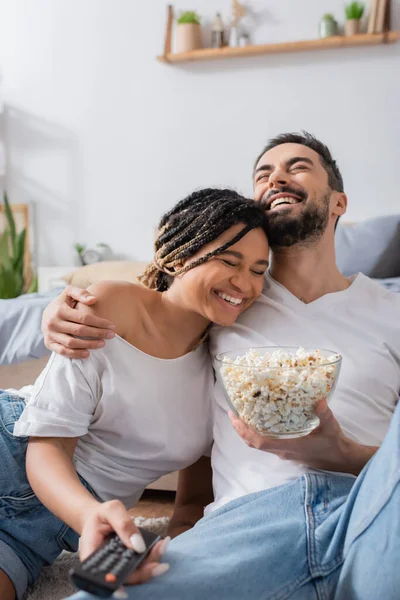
<point x="54" y="584"/>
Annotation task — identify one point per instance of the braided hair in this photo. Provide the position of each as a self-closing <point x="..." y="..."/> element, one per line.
<point x="193" y="223"/>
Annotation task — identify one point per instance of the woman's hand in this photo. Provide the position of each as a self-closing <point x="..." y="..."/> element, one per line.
<point x="62" y="325"/>
<point x="111" y="517"/>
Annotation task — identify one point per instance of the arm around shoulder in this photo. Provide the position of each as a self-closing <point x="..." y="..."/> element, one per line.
<point x="114" y="303"/>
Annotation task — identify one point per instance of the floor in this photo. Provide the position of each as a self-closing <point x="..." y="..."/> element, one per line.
<point x="154" y="503"/>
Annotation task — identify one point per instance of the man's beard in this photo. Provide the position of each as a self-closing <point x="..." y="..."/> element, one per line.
<point x="305" y="228"/>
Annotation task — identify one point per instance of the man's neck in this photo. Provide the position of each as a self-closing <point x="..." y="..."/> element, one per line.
<point x="308" y="271"/>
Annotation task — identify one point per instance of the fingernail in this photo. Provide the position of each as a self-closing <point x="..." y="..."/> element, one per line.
<point x="110" y="336"/>
<point x="111" y="327"/>
<point x="164" y="545"/>
<point x="138" y="543"/>
<point x="121" y="593"/>
<point x="89" y="297"/>
<point x="160" y="570"/>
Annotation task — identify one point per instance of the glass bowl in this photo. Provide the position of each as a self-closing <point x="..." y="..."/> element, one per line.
<point x="274" y="389"/>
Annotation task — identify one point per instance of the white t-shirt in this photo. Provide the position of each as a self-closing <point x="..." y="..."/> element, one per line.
<point x="137" y="417"/>
<point x="362" y="323"/>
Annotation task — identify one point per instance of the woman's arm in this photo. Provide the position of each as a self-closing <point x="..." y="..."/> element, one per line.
<point x="193" y="494"/>
<point x="55" y="482"/>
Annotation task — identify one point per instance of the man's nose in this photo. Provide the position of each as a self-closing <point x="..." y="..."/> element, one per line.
<point x="278" y="178"/>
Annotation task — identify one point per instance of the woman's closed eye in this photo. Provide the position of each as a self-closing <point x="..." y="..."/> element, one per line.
<point x="229" y="263"/>
<point x="258" y="273"/>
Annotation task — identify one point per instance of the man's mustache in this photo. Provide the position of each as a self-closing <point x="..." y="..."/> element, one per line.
<point x="285" y="189"/>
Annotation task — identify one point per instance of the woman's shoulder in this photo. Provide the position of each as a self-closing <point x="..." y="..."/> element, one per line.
<point x="120" y="302"/>
<point x="106" y="290"/>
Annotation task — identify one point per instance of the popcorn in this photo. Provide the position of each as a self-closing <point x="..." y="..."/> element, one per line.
<point x="276" y="392"/>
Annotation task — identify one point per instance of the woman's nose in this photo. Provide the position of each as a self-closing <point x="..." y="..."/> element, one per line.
<point x="241" y="281"/>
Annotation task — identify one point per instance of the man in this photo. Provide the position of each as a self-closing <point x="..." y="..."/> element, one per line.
<point x="301" y="518"/>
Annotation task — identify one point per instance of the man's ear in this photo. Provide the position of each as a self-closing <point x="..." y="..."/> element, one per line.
<point x="339" y="204"/>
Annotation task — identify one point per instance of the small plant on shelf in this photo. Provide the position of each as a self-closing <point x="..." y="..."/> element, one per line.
<point x="328" y="26"/>
<point x="354" y="12"/>
<point x="190" y="16"/>
<point x="188" y="32"/>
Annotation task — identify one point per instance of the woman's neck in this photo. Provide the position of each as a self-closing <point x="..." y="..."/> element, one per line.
<point x="182" y="325"/>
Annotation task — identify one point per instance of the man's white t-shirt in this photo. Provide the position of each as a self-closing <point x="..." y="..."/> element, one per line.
<point x="362" y="323"/>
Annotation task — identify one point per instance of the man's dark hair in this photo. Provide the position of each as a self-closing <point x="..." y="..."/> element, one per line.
<point x="304" y="138"/>
<point x="192" y="224"/>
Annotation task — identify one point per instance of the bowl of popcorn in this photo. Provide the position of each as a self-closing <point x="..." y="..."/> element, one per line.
<point x="275" y="389"/>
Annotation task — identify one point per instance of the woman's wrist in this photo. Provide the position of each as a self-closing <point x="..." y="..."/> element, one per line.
<point x="85" y="512"/>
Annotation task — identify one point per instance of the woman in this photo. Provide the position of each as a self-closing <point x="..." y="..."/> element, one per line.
<point x="94" y="433"/>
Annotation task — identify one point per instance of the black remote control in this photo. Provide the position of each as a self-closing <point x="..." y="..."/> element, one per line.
<point x="104" y="571"/>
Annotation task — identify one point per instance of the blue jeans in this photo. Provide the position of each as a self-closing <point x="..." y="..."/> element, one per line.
<point x="30" y="535"/>
<point x="320" y="537"/>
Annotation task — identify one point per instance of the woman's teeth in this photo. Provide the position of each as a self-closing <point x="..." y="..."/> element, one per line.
<point x="279" y="201"/>
<point x="230" y="299"/>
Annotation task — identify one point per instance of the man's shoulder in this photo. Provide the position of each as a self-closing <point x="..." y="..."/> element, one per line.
<point x="375" y="289"/>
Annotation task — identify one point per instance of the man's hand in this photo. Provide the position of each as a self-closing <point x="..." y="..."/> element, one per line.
<point x="61" y="322"/>
<point x="113" y="516"/>
<point x="324" y="448"/>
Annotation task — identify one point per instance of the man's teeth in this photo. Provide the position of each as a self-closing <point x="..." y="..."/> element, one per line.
<point x="230" y="299"/>
<point x="279" y="201"/>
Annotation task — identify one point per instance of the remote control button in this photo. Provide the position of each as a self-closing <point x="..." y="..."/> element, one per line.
<point x="110" y="578"/>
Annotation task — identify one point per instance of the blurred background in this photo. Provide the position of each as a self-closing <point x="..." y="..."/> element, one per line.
<point x="101" y="138"/>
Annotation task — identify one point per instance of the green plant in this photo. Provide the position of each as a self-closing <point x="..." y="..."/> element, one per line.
<point x="354" y="10"/>
<point x="328" y="17"/>
<point x="34" y="285"/>
<point x="80" y="248"/>
<point x="12" y="251"/>
<point x="190" y="16"/>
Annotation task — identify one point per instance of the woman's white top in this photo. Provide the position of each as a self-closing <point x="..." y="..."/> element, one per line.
<point x="137" y="417"/>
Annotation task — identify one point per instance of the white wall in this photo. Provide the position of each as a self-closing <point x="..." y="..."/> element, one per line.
<point x="103" y="138"/>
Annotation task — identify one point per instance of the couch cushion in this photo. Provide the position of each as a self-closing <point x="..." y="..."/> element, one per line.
<point x="111" y="270"/>
<point x="371" y="247"/>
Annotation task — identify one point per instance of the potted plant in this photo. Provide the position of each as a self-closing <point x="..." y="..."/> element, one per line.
<point x="12" y="251"/>
<point x="328" y="26"/>
<point x="188" y="33"/>
<point x="354" y="13"/>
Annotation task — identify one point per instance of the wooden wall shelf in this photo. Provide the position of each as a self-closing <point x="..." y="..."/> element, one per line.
<point x="362" y="39"/>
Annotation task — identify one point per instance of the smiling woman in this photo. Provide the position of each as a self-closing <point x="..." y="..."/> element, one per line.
<point x="223" y="263"/>
<point x="137" y="408"/>
<point x="229" y="281"/>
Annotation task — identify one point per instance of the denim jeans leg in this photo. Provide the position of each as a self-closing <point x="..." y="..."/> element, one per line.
<point x="371" y="520"/>
<point x="254" y="547"/>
